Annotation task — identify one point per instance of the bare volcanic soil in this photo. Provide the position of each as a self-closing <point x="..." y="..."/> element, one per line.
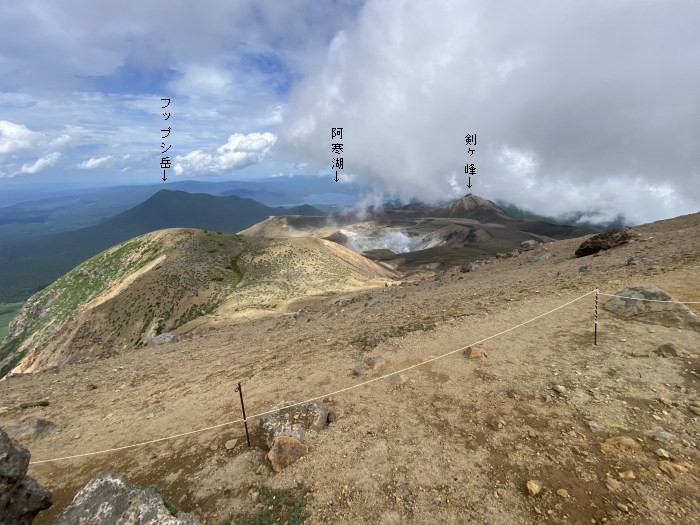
<point x="607" y="431"/>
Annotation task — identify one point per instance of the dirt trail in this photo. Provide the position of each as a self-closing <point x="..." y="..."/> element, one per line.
<point x="453" y="443"/>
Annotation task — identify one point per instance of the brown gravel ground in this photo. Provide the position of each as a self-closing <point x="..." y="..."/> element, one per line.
<point x="455" y="442"/>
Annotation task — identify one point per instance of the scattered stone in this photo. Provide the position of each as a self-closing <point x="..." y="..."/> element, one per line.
<point x="293" y="421"/>
<point x="542" y="257"/>
<point x="110" y="499"/>
<point x="475" y="352"/>
<point x="31" y="404"/>
<point x="528" y="245"/>
<point x="399" y="379"/>
<point x="285" y="451"/>
<point x="469" y="267"/>
<point x="254" y="496"/>
<point x="667" y="468"/>
<point x="636" y="261"/>
<point x="584" y="268"/>
<point x="659" y="434"/>
<point x="164" y="338"/>
<point x="559" y="389"/>
<point x="372" y="302"/>
<point x="563" y="493"/>
<point x="332" y="416"/>
<point x="593" y="425"/>
<point x="605" y="241"/>
<point x="695" y="409"/>
<point x="31" y="429"/>
<point x="619" y="441"/>
<point x="627" y="474"/>
<point x="649" y="304"/>
<point x="534" y="487"/>
<point x="623" y="507"/>
<point x="358" y="370"/>
<point x="231" y="444"/>
<point x="662" y="453"/>
<point x="21" y="497"/>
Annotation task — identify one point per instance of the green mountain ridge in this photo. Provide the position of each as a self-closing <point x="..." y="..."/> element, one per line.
<point x="29" y="266"/>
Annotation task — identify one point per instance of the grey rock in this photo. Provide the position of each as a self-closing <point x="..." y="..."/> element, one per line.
<point x="293" y="421"/>
<point x="372" y="302"/>
<point x="631" y="306"/>
<point x="231" y="444"/>
<point x="33" y="428"/>
<point x="164" y="338"/>
<point x="636" y="261"/>
<point x="110" y="499"/>
<point x="469" y="267"/>
<point x="584" y="268"/>
<point x="528" y="245"/>
<point x="605" y="241"/>
<point x="542" y="257"/>
<point x="21" y="497"/>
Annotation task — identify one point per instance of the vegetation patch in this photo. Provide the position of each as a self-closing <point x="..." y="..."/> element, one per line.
<point x="278" y="506"/>
<point x="373" y="339"/>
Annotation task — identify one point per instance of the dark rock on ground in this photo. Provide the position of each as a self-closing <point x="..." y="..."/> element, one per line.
<point x="110" y="499"/>
<point x="652" y="309"/>
<point x="605" y="241"/>
<point x="21" y="497"/>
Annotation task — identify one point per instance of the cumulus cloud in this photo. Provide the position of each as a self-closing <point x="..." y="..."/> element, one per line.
<point x="576" y="106"/>
<point x="15" y="137"/>
<point x="95" y="162"/>
<point x="41" y="163"/>
<point x="239" y="152"/>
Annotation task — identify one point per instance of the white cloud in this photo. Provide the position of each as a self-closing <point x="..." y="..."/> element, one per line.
<point x="94" y="162"/>
<point x="41" y="164"/>
<point x="567" y="99"/>
<point x="15" y="137"/>
<point x="239" y="152"/>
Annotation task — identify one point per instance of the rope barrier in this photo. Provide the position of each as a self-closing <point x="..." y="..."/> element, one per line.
<point x="340" y="391"/>
<point x="651" y="300"/>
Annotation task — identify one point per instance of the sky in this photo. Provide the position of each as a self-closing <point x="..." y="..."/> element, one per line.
<point x="591" y="107"/>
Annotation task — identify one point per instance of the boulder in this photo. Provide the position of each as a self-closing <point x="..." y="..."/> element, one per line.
<point x="528" y="245"/>
<point x="293" y="421"/>
<point x="21" y="497"/>
<point x="33" y="428"/>
<point x="110" y="499"/>
<point x="166" y="337"/>
<point x="631" y="306"/>
<point x="285" y="451"/>
<point x="605" y="241"/>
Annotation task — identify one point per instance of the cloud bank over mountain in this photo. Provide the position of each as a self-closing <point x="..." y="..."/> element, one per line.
<point x="587" y="106"/>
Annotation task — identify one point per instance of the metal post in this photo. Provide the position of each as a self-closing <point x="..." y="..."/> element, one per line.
<point x="595" y="320"/>
<point x="239" y="389"/>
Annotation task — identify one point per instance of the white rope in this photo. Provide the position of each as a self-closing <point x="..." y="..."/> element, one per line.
<point x="651" y="300"/>
<point x="228" y="423"/>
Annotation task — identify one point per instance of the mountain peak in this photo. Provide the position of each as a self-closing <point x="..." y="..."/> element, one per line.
<point x="473" y="207"/>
